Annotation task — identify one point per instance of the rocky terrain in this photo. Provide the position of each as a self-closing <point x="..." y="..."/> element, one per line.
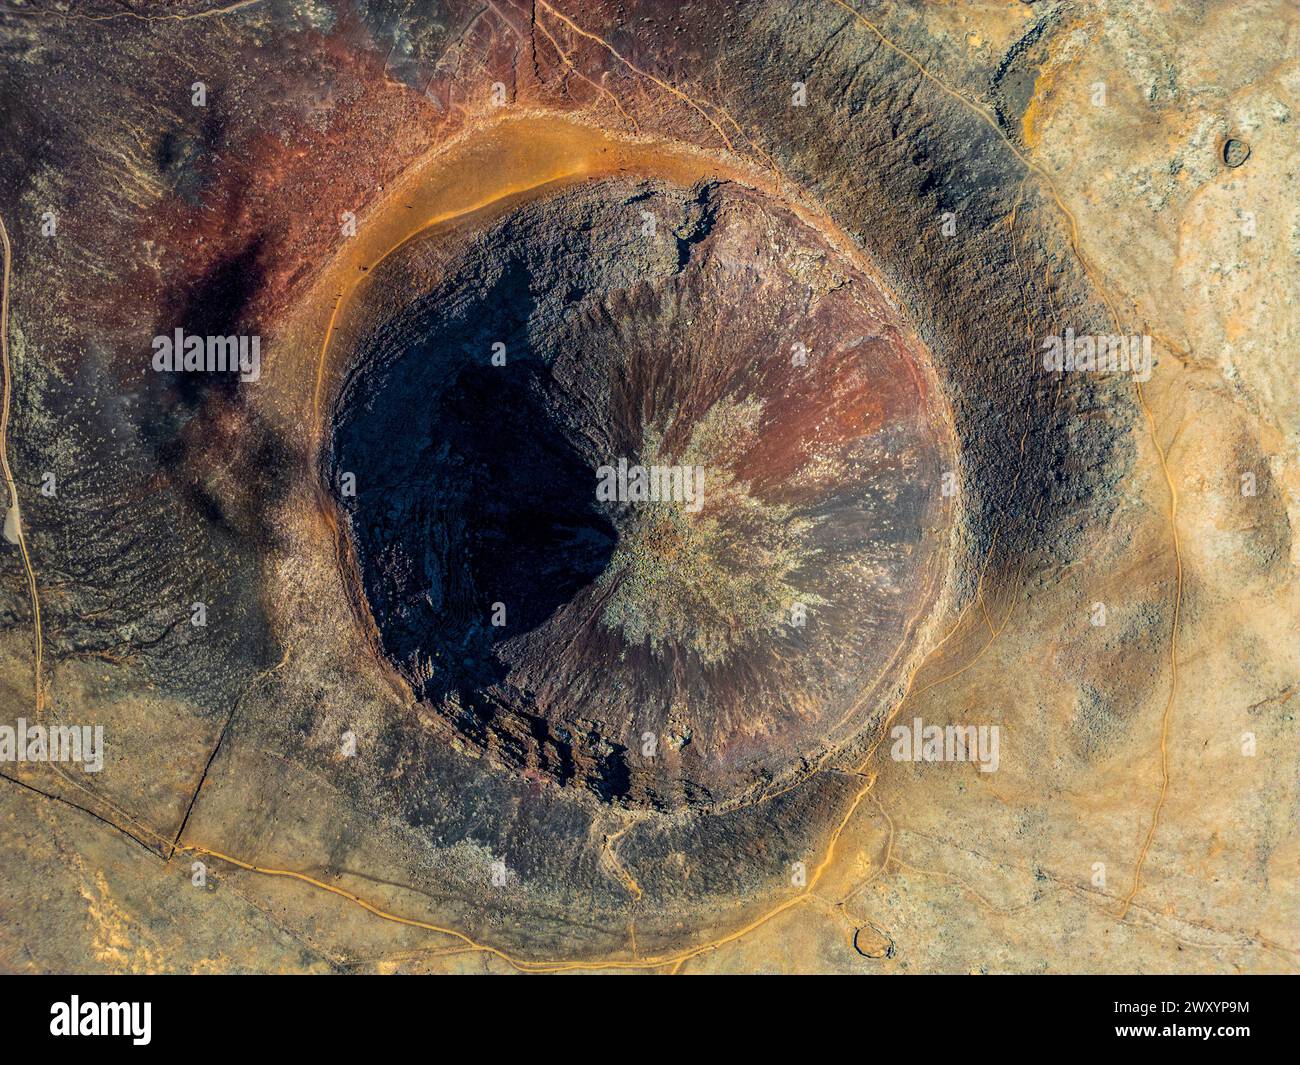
<point x="817" y="251"/>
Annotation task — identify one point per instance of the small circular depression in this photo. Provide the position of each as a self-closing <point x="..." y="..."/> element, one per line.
<point x="1235" y="152"/>
<point x="645" y="487"/>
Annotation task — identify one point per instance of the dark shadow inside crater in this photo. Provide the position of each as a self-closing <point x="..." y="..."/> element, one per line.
<point x="475" y="516"/>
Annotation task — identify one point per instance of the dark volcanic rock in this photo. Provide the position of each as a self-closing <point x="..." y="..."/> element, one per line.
<point x="663" y="652"/>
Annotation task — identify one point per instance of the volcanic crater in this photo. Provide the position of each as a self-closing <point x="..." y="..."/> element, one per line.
<point x="658" y="654"/>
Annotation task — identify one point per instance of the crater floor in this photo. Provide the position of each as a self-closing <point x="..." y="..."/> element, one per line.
<point x="745" y="614"/>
